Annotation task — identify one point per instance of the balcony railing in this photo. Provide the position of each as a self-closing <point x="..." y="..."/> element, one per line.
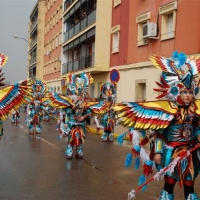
<point x="78" y="64"/>
<point x="33" y="77"/>
<point x="33" y="42"/>
<point x="32" y="60"/>
<point x="80" y="26"/>
<point x="33" y="25"/>
<point x="67" y="4"/>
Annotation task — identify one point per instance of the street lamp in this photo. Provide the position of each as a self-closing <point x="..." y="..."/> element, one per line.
<point x="17" y="37"/>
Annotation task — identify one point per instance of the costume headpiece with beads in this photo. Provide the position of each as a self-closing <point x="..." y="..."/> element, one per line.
<point x="179" y="72"/>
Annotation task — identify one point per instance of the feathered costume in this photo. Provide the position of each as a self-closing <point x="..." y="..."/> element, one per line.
<point x="74" y="111"/>
<point x="170" y="125"/>
<point x="107" y="120"/>
<point x="37" y="101"/>
<point x="11" y="97"/>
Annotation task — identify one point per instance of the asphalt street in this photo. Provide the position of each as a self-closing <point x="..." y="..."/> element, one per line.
<point x="37" y="169"/>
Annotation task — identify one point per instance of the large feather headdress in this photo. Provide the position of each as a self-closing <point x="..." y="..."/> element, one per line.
<point x="179" y="72"/>
<point x="77" y="83"/>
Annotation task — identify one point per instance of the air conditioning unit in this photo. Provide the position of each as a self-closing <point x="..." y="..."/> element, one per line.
<point x="149" y="30"/>
<point x="59" y="58"/>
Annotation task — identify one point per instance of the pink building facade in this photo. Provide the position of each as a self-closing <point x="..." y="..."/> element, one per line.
<point x="142" y="28"/>
<point x="52" y="44"/>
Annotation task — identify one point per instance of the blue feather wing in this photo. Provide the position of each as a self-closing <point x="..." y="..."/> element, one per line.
<point x="146" y="115"/>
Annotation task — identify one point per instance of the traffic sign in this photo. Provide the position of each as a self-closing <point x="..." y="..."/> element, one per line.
<point x="114" y="75"/>
<point x="63" y="82"/>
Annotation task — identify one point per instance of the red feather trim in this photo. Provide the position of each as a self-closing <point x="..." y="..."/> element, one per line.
<point x="130" y="136"/>
<point x="147" y="170"/>
<point x="135" y="153"/>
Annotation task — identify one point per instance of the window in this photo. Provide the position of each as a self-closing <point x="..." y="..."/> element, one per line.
<point x="56" y="40"/>
<point x="55" y="66"/>
<point x="58" y="64"/>
<point x="116" y="3"/>
<point x="48" y="5"/>
<point x="57" y="16"/>
<point x="58" y="89"/>
<point x="99" y="88"/>
<point x="141" y="20"/>
<point x="168" y="20"/>
<point x="140" y="90"/>
<point x="60" y="13"/>
<point x="48" y="27"/>
<point x="49" y="46"/>
<point x="60" y="38"/>
<point x="92" y="89"/>
<point x="52" y="67"/>
<point x="115" y="38"/>
<point x="54" y="20"/>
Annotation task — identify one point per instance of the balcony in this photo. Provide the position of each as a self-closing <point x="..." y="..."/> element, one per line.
<point x="33" y="24"/>
<point x="67" y="4"/>
<point x="32" y="60"/>
<point x="78" y="64"/>
<point x="80" y="26"/>
<point x="33" y="42"/>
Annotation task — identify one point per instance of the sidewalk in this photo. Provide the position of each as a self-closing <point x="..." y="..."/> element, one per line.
<point x="120" y="129"/>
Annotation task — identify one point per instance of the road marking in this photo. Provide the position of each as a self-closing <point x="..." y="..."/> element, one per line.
<point x="39" y="138"/>
<point x="126" y="144"/>
<point x="49" y="143"/>
<point x="23" y="128"/>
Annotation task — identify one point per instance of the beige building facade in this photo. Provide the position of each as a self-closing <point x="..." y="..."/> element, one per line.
<point x="36" y="41"/>
<point x="86" y="39"/>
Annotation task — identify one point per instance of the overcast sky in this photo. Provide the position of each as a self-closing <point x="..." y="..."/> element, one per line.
<point x="14" y="19"/>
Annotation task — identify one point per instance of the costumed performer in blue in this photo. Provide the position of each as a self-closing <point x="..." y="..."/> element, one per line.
<point x="74" y="111"/>
<point x="37" y="102"/>
<point x="12" y="96"/>
<point x="170" y="125"/>
<point x="107" y="120"/>
<point x="15" y="117"/>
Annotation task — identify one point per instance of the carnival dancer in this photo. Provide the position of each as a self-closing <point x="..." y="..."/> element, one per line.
<point x="34" y="118"/>
<point x="170" y="125"/>
<point x="12" y="96"/>
<point x="107" y="120"/>
<point x="75" y="110"/>
<point x="37" y="101"/>
<point x="15" y="119"/>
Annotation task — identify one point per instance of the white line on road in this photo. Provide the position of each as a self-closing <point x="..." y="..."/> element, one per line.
<point x="39" y="138"/>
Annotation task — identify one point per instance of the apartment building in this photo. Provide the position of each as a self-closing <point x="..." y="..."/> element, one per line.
<point x="36" y="41"/>
<point x="142" y="28"/>
<point x="86" y="39"/>
<point x="98" y="36"/>
<point x="52" y="44"/>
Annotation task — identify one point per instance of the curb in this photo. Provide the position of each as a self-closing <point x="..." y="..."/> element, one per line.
<point x="94" y="131"/>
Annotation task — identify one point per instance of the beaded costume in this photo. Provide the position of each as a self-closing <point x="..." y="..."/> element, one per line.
<point x="107" y="120"/>
<point x="37" y="101"/>
<point x="74" y="111"/>
<point x="12" y="96"/>
<point x="170" y="125"/>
